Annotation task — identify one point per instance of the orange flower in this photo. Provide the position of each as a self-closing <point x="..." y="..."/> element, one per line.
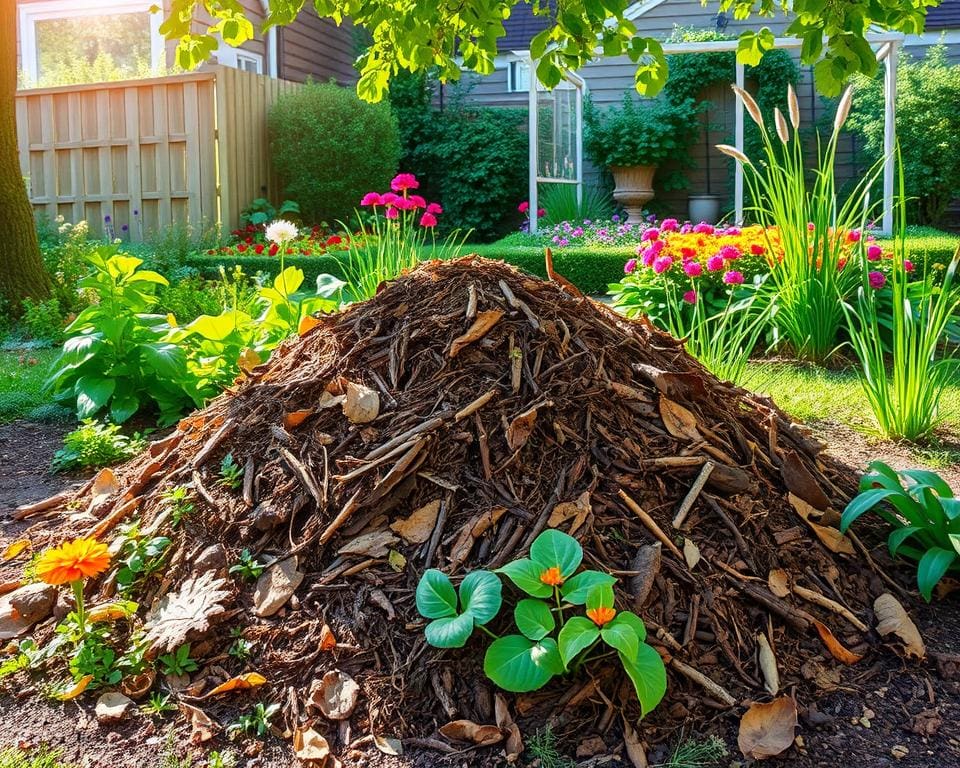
<point x="601" y="615"/>
<point x="552" y="577"/>
<point x="73" y="561"/>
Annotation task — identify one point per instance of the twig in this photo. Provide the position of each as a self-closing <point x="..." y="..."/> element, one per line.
<point x="476" y="405"/>
<point x="364" y="468"/>
<point x="204" y="493"/>
<point x="304" y="475"/>
<point x="714" y="689"/>
<point x="211" y="445"/>
<point x="651" y="524"/>
<point x="825" y="602"/>
<point x="403" y="437"/>
<point x="111" y="520"/>
<point x="687" y="504"/>
<point x="437" y="532"/>
<point x="29" y="510"/>
<point x="348" y="509"/>
<point x="516" y="303"/>
<point x="249" y="473"/>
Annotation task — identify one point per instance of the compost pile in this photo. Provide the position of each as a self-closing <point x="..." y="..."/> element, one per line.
<point x="446" y="423"/>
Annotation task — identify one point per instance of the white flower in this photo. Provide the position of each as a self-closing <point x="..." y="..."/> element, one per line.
<point x="281" y="230"/>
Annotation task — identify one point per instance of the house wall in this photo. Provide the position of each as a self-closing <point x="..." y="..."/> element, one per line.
<point x="317" y="48"/>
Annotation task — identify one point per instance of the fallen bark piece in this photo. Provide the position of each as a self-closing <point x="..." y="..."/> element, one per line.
<point x="112" y="708"/>
<point x="893" y="619"/>
<point x="417" y="528"/>
<point x="484" y="322"/>
<point x="767" y="730"/>
<point x="275" y="587"/>
<point x="469" y="731"/>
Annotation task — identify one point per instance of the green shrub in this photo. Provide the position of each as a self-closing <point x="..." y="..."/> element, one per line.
<point x="64" y="248"/>
<point x="561" y="204"/>
<point x="96" y="445"/>
<point x="473" y="160"/>
<point x="928" y="123"/>
<point x="330" y="148"/>
<point x="43" y="320"/>
<point x="188" y="298"/>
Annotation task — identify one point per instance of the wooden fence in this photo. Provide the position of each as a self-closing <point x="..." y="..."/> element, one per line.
<point x="134" y="157"/>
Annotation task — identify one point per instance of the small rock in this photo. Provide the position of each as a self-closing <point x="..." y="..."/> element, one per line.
<point x="899" y="751"/>
<point x="213" y="558"/>
<point x="275" y="586"/>
<point x="590" y="747"/>
<point x="112" y="708"/>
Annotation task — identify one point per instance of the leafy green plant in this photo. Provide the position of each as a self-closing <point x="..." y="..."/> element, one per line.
<point x="96" y="444"/>
<point x="43" y="320"/>
<point x="256" y="722"/>
<point x="94" y="657"/>
<point x="44" y="757"/>
<point x="813" y="227"/>
<point x="543" y="750"/>
<point x="261" y="211"/>
<point x="158" y="704"/>
<point x="115" y="357"/>
<point x="226" y="759"/>
<point x="696" y="753"/>
<point x="248" y="566"/>
<point x="547" y="644"/>
<point x="240" y="648"/>
<point x="179" y="501"/>
<point x="561" y="204"/>
<point x="178" y="662"/>
<point x="139" y="559"/>
<point x="231" y="473"/>
<point x="905" y="399"/>
<point x="924" y="517"/>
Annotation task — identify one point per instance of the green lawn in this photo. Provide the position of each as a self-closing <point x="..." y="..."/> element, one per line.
<point x="22" y="375"/>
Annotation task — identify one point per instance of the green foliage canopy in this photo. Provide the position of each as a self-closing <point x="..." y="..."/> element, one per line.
<point x="417" y="36"/>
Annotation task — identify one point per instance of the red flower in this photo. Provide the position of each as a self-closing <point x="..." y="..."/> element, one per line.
<point x="258" y="248"/>
<point x="756" y="249"/>
<point x="274" y="249"/>
<point x="248" y="240"/>
<point x="241" y="248"/>
<point x="307" y="251"/>
<point x="523" y="207"/>
<point x="428" y="220"/>
<point x="334" y="240"/>
<point x="289" y="251"/>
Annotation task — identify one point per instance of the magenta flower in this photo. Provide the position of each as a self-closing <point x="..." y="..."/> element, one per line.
<point x="853" y="236"/>
<point x="669" y="225"/>
<point x="650" y="234"/>
<point x="428" y="220"/>
<point x="404" y="203"/>
<point x="418" y="202"/>
<point x="435" y="209"/>
<point x="541" y="212"/>
<point x="730" y="253"/>
<point x="629" y="266"/>
<point x="703" y="228"/>
<point x="907" y="265"/>
<point x="733" y="277"/>
<point x="874" y="252"/>
<point x="372" y="198"/>
<point x="693" y="268"/>
<point x="733" y="231"/>
<point x="389" y="198"/>
<point x="877" y="280"/>
<point x="392" y="213"/>
<point x="662" y="264"/>
<point x="648" y="255"/>
<point x="523" y="207"/>
<point x="690" y="297"/>
<point x="404" y="181"/>
<point x="656" y="246"/>
<point x="811" y="226"/>
<point x="715" y="263"/>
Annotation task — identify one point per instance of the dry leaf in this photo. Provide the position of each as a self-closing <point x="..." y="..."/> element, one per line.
<point x="313" y="749"/>
<point x="15" y="549"/>
<point x="801" y="483"/>
<point x="578" y="510"/>
<point x="468" y="535"/>
<point x="388" y="745"/>
<point x="767" y="730"/>
<point x="294" y="419"/>
<point x="831" y="538"/>
<point x="520" y="429"/>
<point x="469" y="731"/>
<point x="185" y="612"/>
<point x="779" y="582"/>
<point x="484" y="322"/>
<point x="362" y="404"/>
<point x="836" y="648"/>
<point x="202" y="728"/>
<point x="75" y="690"/>
<point x="373" y="544"/>
<point x="329" y="400"/>
<point x="768" y="664"/>
<point x="276" y="586"/>
<point x="335" y="695"/>
<point x="417" y="528"/>
<point x="307" y="324"/>
<point x="328" y="640"/>
<point x="513" y="747"/>
<point x="679" y="421"/>
<point x="239" y="683"/>
<point x="691" y="553"/>
<point x="108" y="612"/>
<point x="634" y="747"/>
<point x="104" y="486"/>
<point x="892" y="618"/>
<point x="248" y="359"/>
<point x="396" y="560"/>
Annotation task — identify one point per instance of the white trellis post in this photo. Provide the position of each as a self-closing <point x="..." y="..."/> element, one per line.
<point x="889" y="132"/>
<point x="738" y="140"/>
<point x="533" y="135"/>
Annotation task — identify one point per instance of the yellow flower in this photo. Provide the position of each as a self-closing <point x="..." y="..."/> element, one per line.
<point x="73" y="561"/>
<point x="552" y="577"/>
<point x="601" y="615"/>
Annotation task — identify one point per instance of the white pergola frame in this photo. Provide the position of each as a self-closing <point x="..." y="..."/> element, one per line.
<point x="887" y="52"/>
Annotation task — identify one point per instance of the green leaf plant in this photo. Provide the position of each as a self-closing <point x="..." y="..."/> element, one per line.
<point x="554" y="637"/>
<point x="924" y="519"/>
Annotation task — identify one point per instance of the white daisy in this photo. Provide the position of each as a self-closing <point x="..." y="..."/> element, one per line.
<point x="281" y="231"/>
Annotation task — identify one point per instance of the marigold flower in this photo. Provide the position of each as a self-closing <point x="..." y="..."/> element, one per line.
<point x="601" y="615"/>
<point x="877" y="280"/>
<point x="757" y="249"/>
<point x="73" y="561"/>
<point x="552" y="576"/>
<point x="687" y="253"/>
<point x="404" y="181"/>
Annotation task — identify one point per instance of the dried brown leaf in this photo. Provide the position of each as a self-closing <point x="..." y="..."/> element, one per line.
<point x="417" y="528"/>
<point x="578" y="510"/>
<point x="768" y="664"/>
<point x="679" y="421"/>
<point x="837" y="649"/>
<point x="766" y="730"/>
<point x="186" y="612"/>
<point x="242" y="682"/>
<point x="328" y="640"/>
<point x="335" y="695"/>
<point x="471" y="732"/>
<point x="691" y="553"/>
<point x="484" y="322"/>
<point x="314" y="750"/>
<point x="468" y="535"/>
<point x="373" y="544"/>
<point x="15" y="549"/>
<point x="362" y="404"/>
<point x="520" y="429"/>
<point x="307" y="323"/>
<point x="779" y="582"/>
<point x="634" y="747"/>
<point x="801" y="483"/>
<point x="831" y="538"/>
<point x="389" y="745"/>
<point x="892" y="618"/>
<point x="75" y="690"/>
<point x="202" y="728"/>
<point x="104" y="486"/>
<point x="294" y="419"/>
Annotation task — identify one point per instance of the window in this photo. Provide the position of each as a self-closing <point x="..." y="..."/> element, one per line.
<point x="73" y="41"/>
<point x="238" y="58"/>
<point x="518" y="76"/>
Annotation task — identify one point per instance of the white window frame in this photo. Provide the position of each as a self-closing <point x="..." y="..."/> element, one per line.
<point x="229" y="56"/>
<point x="516" y="83"/>
<point x="31" y="13"/>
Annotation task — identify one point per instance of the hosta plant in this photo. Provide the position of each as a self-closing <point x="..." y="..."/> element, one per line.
<point x="565" y="615"/>
<point x="924" y="517"/>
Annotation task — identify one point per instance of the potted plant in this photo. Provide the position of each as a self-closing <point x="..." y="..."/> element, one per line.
<point x="634" y="139"/>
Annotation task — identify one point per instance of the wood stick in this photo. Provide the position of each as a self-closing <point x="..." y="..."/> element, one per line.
<point x="363" y="469"/>
<point x="437" y="532"/>
<point x="111" y="520"/>
<point x="516" y="303"/>
<point x="676" y="461"/>
<point x="304" y="475"/>
<point x="211" y="445"/>
<point x="204" y="493"/>
<point x="825" y="602"/>
<point x="29" y="510"/>
<point x="714" y="689"/>
<point x="348" y="509"/>
<point x="476" y="405"/>
<point x="249" y="474"/>
<point x="404" y="437"/>
<point x="662" y="634"/>
<point x="687" y="504"/>
<point x="651" y="525"/>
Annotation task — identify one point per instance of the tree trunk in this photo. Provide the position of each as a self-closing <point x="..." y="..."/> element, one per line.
<point x="22" y="273"/>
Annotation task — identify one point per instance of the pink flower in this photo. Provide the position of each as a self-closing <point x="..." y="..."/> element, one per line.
<point x="877" y="279"/>
<point x="853" y="236"/>
<point x="730" y="253"/>
<point x="389" y="198"/>
<point x="648" y="255"/>
<point x="811" y="226"/>
<point x="907" y="265"/>
<point x="418" y="202"/>
<point x="669" y="225"/>
<point x="523" y="207"/>
<point x="541" y="212"/>
<point x="703" y="228"/>
<point x="392" y="213"/>
<point x="874" y="252"/>
<point x="404" y="204"/>
<point x="372" y="198"/>
<point x="715" y="263"/>
<point x="693" y="268"/>
<point x="629" y="266"/>
<point x="733" y="277"/>
<point x="435" y="209"/>
<point x="650" y="234"/>
<point x="662" y="264"/>
<point x="404" y="181"/>
<point x="690" y="297"/>
<point x="733" y="231"/>
<point x="428" y="220"/>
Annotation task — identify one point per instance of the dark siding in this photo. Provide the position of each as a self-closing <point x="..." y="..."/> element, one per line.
<point x="317" y="48"/>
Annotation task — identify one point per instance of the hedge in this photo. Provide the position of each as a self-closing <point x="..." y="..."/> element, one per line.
<point x="591" y="269"/>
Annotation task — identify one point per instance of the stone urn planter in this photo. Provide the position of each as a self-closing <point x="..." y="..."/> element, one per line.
<point x="704" y="208"/>
<point x="634" y="188"/>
